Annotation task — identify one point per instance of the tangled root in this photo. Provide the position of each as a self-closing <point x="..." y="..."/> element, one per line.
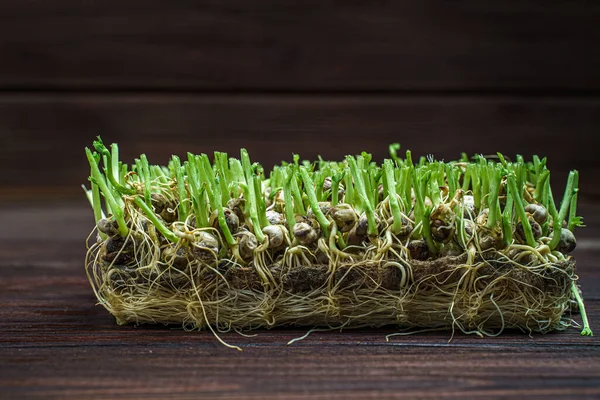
<point x="144" y="279"/>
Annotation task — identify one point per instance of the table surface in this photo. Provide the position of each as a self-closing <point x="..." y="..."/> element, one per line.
<point x="55" y="342"/>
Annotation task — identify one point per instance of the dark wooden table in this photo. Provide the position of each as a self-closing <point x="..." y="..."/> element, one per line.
<point x="55" y="342"/>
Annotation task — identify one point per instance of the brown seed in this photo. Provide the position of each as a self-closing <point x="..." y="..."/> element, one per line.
<point x="206" y="247"/>
<point x="231" y="220"/>
<point x="344" y="216"/>
<point x="355" y="239"/>
<point x="418" y="250"/>
<point x="536" y="229"/>
<point x="108" y="226"/>
<point x="538" y="212"/>
<point x="567" y="241"/>
<point x="169" y="214"/>
<point x="177" y="255"/>
<point x="237" y="206"/>
<point x="440" y="231"/>
<point x="305" y="233"/>
<point x="159" y="202"/>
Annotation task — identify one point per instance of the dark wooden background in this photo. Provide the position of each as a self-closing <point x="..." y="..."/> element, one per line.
<point x="311" y="77"/>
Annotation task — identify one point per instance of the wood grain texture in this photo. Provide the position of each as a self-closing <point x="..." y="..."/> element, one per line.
<point x="233" y="45"/>
<point x="43" y="136"/>
<point x="56" y="343"/>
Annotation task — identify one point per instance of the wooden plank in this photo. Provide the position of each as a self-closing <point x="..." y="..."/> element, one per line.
<point x="312" y="45"/>
<point x="43" y="136"/>
<point x="188" y="367"/>
<point x="56" y="343"/>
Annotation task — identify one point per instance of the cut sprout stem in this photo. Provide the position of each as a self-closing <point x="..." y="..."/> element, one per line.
<point x="517" y="193"/>
<point x="252" y="200"/>
<point x="312" y="200"/>
<point x="98" y="178"/>
<point x="391" y="192"/>
<point x="360" y="187"/>
<point x="570" y="190"/>
<point x="221" y="215"/>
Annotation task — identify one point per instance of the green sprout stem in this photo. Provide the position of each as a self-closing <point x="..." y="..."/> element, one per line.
<point x="507" y="218"/>
<point x="335" y="188"/>
<point x="495" y="177"/>
<point x="98" y="178"/>
<point x="197" y="193"/>
<point x="251" y="202"/>
<point x="320" y="180"/>
<point x="407" y="186"/>
<point x="422" y="213"/>
<point x="466" y="180"/>
<point x="517" y="197"/>
<point x="541" y="187"/>
<point x="93" y="197"/>
<point x="159" y="174"/>
<point x="564" y="207"/>
<point x="207" y="176"/>
<point x="426" y="231"/>
<point x="221" y="215"/>
<point x="166" y="232"/>
<point x="476" y="185"/>
<point x="178" y="174"/>
<point x="541" y="175"/>
<point x="313" y="202"/>
<point x="221" y="165"/>
<point x="462" y="232"/>
<point x="573" y="219"/>
<point x="298" y="203"/>
<point x="111" y="163"/>
<point x="289" y="203"/>
<point x="587" y="331"/>
<point x="485" y="185"/>
<point x="451" y="178"/>
<point x="260" y="202"/>
<point x="349" y="194"/>
<point x="391" y="192"/>
<point x="96" y="204"/>
<point x="372" y="224"/>
<point x="146" y="178"/>
<point x="393" y="148"/>
<point x="114" y="157"/>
